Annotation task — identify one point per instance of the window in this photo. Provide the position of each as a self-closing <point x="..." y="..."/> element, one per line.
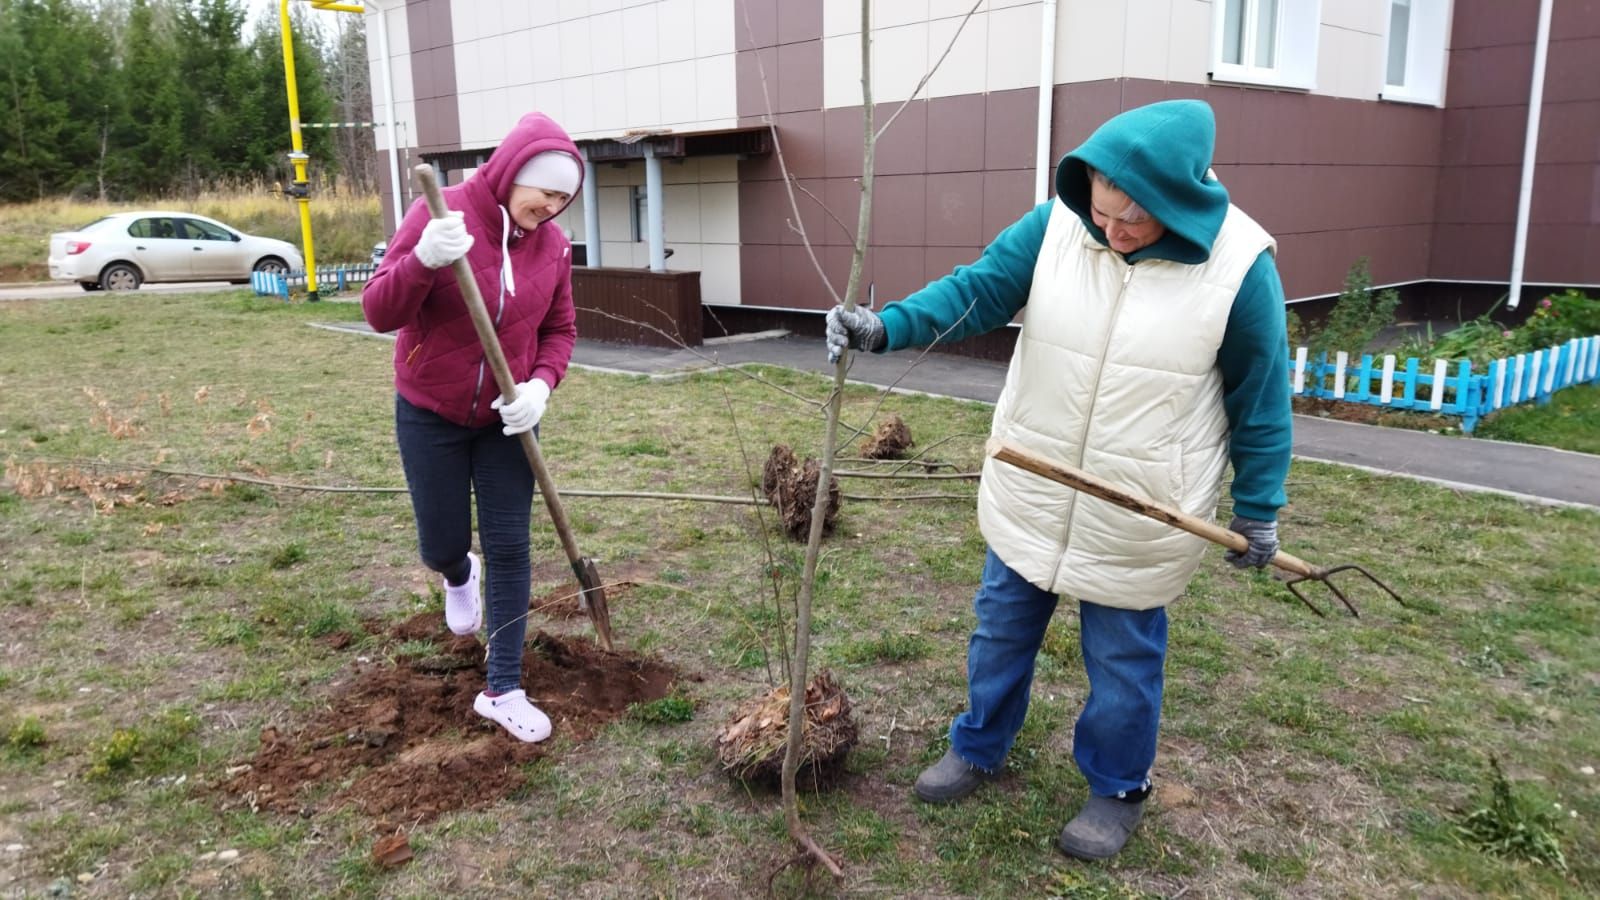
<point x="205" y="231"/>
<point x="1414" y="65"/>
<point x="153" y="228"/>
<point x="1267" y="42"/>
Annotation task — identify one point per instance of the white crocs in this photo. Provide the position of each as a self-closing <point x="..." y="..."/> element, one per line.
<point x="515" y="714"/>
<point x="463" y="604"/>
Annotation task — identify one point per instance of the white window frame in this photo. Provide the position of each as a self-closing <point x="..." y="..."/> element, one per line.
<point x="1295" y="45"/>
<point x="1427" y="53"/>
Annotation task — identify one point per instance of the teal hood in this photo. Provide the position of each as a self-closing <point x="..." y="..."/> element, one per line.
<point x="1159" y="155"/>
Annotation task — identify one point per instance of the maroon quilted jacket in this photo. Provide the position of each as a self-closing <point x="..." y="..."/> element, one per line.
<point x="438" y="362"/>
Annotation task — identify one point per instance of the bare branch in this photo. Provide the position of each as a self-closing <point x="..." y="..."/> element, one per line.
<point x="836" y="220"/>
<point x="925" y="78"/>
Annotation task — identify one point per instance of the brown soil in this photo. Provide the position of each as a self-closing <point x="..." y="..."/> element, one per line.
<point x="1366" y="414"/>
<point x="792" y="488"/>
<point x="562" y="602"/>
<point x="890" y="441"/>
<point x="401" y="743"/>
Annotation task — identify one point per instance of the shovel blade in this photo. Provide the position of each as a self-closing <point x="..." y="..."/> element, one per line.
<point x="592" y="600"/>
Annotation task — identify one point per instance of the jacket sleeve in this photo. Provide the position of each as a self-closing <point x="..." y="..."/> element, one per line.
<point x="1255" y="392"/>
<point x="557" y="333"/>
<point x="973" y="299"/>
<point x="396" y="291"/>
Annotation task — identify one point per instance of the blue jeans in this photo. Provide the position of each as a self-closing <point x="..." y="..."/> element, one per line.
<point x="1123" y="652"/>
<point x="445" y="465"/>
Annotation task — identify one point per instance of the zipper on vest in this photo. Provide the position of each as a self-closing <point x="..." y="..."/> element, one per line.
<point x="1088" y="419"/>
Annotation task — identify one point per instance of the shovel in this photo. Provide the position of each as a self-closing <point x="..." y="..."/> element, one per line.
<point x="592" y="600"/>
<point x="1078" y="479"/>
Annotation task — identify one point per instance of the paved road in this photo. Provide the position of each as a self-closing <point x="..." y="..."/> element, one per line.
<point x="1537" y="474"/>
<point x="56" y="289"/>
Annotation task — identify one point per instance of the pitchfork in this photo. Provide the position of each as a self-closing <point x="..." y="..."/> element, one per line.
<point x="1080" y="480"/>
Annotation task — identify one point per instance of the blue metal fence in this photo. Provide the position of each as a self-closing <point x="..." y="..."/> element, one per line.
<point x="338" y="278"/>
<point x="1448" y="388"/>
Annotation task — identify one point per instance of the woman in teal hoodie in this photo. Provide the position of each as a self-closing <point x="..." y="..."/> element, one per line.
<point x="1152" y="354"/>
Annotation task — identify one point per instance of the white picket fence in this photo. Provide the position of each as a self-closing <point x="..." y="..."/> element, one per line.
<point x="1524" y="378"/>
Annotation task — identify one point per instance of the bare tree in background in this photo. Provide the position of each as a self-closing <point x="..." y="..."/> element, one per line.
<point x="350" y="83"/>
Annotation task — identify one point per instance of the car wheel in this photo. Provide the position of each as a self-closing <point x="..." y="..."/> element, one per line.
<point x="120" y="277"/>
<point x="89" y="285"/>
<point x="273" y="265"/>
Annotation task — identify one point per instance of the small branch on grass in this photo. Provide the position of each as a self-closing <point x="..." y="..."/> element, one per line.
<point x="913" y="476"/>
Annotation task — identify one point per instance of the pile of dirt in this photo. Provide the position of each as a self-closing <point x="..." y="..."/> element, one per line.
<point x="792" y="488"/>
<point x="400" y="742"/>
<point x="563" y="602"/>
<point x="1367" y="414"/>
<point x="890" y="441"/>
<point x="752" y="744"/>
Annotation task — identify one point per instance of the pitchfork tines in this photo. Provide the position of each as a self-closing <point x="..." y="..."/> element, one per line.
<point x="1325" y="576"/>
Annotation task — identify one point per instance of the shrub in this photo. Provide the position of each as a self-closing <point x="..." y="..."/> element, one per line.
<point x="1557" y="319"/>
<point x="1357" y="316"/>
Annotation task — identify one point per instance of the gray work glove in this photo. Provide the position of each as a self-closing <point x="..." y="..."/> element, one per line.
<point x="857" y="329"/>
<point x="1263" y="537"/>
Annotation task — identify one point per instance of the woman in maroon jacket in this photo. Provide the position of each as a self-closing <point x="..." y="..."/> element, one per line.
<point x="457" y="438"/>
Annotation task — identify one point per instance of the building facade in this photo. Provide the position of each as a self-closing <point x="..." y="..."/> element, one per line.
<point x="1388" y="129"/>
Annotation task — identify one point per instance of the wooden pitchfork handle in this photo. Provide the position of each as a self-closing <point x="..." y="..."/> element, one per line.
<point x="1060" y="472"/>
<point x="592" y="597"/>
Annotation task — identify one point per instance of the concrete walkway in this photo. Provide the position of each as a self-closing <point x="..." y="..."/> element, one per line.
<point x="1534" y="474"/>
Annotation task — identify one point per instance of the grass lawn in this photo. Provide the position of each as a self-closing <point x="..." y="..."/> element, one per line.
<point x="1571" y="421"/>
<point x="157" y="624"/>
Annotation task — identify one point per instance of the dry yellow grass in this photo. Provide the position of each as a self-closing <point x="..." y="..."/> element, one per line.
<point x="344" y="226"/>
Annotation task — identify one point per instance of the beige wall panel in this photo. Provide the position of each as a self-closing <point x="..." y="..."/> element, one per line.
<point x="1148" y="37"/>
<point x="715" y="24"/>
<point x="965" y="69"/>
<point x="719" y="273"/>
<point x="1013" y="48"/>
<point x="1089" y="39"/>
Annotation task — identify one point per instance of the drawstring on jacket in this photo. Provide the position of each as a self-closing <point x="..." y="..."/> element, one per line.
<point x="508" y="281"/>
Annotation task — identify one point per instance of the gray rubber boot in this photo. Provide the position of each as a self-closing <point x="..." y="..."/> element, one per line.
<point x="950" y="779"/>
<point x="1100" y="829"/>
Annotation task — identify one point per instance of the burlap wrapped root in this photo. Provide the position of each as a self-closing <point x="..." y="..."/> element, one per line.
<point x="752" y="744"/>
<point x="792" y="488"/>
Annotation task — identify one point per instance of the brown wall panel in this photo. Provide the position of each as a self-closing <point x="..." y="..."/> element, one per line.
<point x="609" y="301"/>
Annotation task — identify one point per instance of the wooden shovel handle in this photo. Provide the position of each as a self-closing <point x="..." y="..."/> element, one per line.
<point x="501" y="369"/>
<point x="1060" y="472"/>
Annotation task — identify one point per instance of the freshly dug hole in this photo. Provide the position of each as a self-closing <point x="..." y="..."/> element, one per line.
<point x="751" y="744"/>
<point x="399" y="741"/>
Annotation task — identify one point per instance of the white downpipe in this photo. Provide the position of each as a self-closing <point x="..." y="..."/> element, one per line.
<point x="1047" y="89"/>
<point x="389" y="115"/>
<point x="654" y="214"/>
<point x="1530" y="150"/>
<point x="591" y="214"/>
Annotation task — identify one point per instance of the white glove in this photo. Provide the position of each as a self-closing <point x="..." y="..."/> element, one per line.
<point x="443" y="241"/>
<point x="524" y="412"/>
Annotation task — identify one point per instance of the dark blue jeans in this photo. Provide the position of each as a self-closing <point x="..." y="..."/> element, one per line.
<point x="1124" y="652"/>
<point x="446" y="464"/>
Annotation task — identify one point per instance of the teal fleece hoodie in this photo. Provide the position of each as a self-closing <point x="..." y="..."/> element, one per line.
<point x="1159" y="155"/>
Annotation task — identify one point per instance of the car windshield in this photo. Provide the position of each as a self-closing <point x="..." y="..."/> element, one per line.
<point x="96" y="223"/>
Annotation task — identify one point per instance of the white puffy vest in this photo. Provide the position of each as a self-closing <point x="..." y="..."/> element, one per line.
<point x="1115" y="372"/>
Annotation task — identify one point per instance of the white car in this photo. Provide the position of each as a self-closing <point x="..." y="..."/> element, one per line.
<point x="124" y="250"/>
